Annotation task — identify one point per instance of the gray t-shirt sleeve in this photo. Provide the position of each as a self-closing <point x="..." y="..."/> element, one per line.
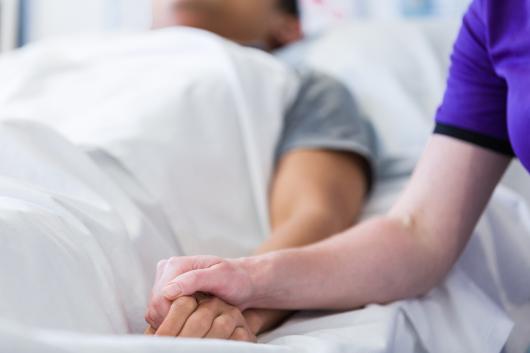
<point x="325" y="116"/>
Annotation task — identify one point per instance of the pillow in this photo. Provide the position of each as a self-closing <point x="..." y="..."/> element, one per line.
<point x="395" y="70"/>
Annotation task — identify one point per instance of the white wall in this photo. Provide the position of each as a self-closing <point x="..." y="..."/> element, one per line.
<point x="57" y="17"/>
<point x="318" y="14"/>
<point x="8" y="24"/>
<point x="391" y="8"/>
<point x="48" y="18"/>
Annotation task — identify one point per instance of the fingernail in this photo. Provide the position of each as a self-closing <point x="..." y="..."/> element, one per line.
<point x="172" y="291"/>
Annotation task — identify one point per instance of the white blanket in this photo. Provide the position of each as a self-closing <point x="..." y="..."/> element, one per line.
<point x="63" y="244"/>
<point x="194" y="118"/>
<point x="80" y="232"/>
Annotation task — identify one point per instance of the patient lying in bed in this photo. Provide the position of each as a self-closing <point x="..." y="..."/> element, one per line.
<point x="323" y="162"/>
<point x="195" y="138"/>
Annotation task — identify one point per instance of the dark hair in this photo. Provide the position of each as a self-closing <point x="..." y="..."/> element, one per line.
<point x="290" y="6"/>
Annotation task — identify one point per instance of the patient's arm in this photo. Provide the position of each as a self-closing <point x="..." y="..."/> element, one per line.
<point x="314" y="194"/>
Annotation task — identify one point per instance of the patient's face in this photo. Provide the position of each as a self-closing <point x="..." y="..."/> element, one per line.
<point x="245" y="21"/>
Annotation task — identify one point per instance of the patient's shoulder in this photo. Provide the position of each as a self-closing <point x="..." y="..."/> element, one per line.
<point x="319" y="91"/>
<point x="325" y="116"/>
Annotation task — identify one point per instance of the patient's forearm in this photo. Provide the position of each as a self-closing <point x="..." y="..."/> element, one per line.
<point x="314" y="194"/>
<point x="303" y="228"/>
<point x="377" y="262"/>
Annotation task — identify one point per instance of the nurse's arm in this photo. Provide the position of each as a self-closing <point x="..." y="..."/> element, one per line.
<point x="403" y="254"/>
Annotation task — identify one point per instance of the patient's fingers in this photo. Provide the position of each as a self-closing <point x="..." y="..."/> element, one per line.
<point x="244" y="335"/>
<point x="225" y="324"/>
<point x="222" y="328"/>
<point x="200" y="322"/>
<point x="180" y="311"/>
<point x="150" y="331"/>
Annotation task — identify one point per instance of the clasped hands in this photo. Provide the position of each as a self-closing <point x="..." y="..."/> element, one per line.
<point x="178" y="307"/>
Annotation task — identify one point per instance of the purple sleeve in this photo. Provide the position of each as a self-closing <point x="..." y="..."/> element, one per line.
<point x="474" y="106"/>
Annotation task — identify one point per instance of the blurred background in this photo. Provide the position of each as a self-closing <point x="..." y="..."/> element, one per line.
<point x="25" y="21"/>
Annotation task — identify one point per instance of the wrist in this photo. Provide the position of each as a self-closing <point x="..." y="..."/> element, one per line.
<point x="259" y="270"/>
<point x="263" y="320"/>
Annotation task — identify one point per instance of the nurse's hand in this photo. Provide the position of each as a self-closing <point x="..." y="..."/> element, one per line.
<point x="204" y="317"/>
<point x="228" y="280"/>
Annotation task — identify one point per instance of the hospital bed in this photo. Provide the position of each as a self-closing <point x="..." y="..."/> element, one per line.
<point x="99" y="220"/>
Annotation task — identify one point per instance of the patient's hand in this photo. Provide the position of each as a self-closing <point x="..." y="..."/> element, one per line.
<point x="204" y="317"/>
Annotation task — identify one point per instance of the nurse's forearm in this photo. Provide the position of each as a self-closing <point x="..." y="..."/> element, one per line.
<point x="377" y="262"/>
<point x="401" y="255"/>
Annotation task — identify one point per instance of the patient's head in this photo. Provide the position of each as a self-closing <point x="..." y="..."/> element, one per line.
<point x="270" y="23"/>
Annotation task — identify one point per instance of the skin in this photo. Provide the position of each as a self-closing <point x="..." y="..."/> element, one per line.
<point x="314" y="194"/>
<point x="400" y="255"/>
<point x="256" y="22"/>
<point x="202" y="316"/>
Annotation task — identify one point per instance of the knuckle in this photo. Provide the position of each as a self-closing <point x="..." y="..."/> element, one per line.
<point x="224" y="266"/>
<point x="193" y="279"/>
<point x="241" y="334"/>
<point x="206" y="312"/>
<point x="224" y="323"/>
<point x="150" y="318"/>
<point x="201" y="325"/>
<point x="147" y="317"/>
<point x="157" y="304"/>
<point x="234" y="313"/>
<point x="188" y="303"/>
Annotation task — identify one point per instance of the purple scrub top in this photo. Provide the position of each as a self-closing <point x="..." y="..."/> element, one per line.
<point x="487" y="101"/>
